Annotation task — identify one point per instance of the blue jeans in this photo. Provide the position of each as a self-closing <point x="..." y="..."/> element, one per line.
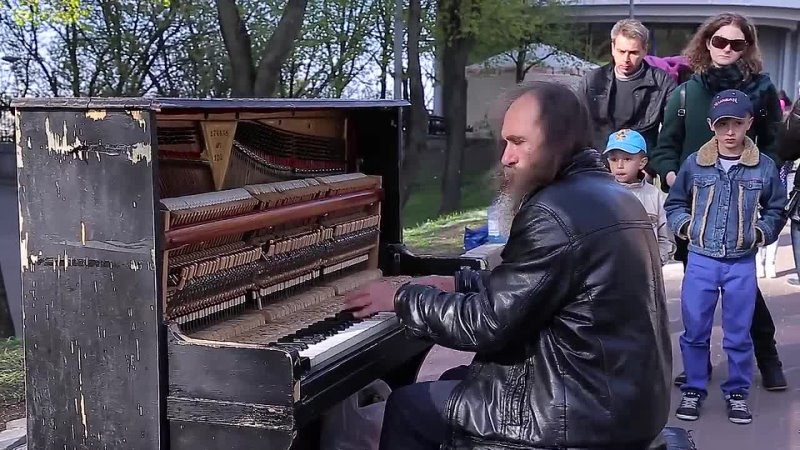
<point x="704" y="280"/>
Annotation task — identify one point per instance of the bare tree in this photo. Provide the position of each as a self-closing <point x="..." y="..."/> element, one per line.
<point x="458" y="38"/>
<point x="247" y="79"/>
<point x="417" y="130"/>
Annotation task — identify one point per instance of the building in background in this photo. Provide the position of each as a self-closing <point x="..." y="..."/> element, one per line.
<point x="673" y="22"/>
<point x="488" y="79"/>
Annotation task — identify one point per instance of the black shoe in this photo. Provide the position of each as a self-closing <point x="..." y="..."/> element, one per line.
<point x="738" y="411"/>
<point x="680" y="380"/>
<point x="689" y="408"/>
<point x="772" y="377"/>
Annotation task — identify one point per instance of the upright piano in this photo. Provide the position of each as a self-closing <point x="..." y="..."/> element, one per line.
<point x="184" y="263"/>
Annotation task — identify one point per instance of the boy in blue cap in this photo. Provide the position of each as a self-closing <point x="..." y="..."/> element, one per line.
<point x="727" y="201"/>
<point x="626" y="153"/>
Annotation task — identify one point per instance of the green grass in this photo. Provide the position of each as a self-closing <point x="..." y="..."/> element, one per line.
<point x="12" y="379"/>
<point x="443" y="235"/>
<point x="423" y="205"/>
<point x="425" y="232"/>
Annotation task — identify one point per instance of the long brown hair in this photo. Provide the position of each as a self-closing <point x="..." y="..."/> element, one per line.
<point x="697" y="52"/>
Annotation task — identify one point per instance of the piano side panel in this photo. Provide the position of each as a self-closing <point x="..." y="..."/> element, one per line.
<point x="377" y="136"/>
<point x="228" y="396"/>
<point x="91" y="319"/>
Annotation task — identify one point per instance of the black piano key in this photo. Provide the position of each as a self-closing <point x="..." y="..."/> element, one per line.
<point x="345" y="315"/>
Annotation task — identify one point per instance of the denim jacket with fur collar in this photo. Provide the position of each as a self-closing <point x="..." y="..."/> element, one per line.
<point x="727" y="214"/>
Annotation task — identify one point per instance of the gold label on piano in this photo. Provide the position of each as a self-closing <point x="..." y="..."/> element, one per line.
<point x="218" y="143"/>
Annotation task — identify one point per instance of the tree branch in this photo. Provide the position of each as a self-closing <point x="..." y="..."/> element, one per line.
<point x="278" y="47"/>
<point x="237" y="43"/>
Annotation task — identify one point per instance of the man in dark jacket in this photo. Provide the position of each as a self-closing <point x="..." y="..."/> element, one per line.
<point x="570" y="330"/>
<point x="788" y="149"/>
<point x="629" y="92"/>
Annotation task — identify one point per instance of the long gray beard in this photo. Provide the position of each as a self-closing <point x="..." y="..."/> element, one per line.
<point x="507" y="206"/>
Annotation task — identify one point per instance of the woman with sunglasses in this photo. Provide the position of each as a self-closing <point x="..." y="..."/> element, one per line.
<point x="724" y="55"/>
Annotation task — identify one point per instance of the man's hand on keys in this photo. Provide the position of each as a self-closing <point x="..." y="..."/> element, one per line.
<point x="379" y="295"/>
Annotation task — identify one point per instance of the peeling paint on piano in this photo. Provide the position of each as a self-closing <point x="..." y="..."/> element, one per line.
<point x="19" y="142"/>
<point x="140" y="152"/>
<point x="139" y="117"/>
<point x="59" y="143"/>
<point x="96" y="114"/>
<point x="89" y="318"/>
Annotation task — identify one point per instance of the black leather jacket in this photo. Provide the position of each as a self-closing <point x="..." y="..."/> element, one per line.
<point x="570" y="331"/>
<point x="650" y="100"/>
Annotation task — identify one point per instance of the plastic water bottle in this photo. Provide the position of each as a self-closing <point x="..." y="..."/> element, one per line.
<point x="494" y="235"/>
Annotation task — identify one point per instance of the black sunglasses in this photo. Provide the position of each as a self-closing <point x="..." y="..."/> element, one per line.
<point x="737" y="45"/>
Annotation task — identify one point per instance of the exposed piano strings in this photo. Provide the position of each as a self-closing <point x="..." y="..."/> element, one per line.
<point x="262" y="153"/>
<point x="224" y="274"/>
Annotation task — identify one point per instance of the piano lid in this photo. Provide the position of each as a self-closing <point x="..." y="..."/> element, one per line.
<point x="166" y="104"/>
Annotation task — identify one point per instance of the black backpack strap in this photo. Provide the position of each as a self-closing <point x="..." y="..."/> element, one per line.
<point x="682" y="109"/>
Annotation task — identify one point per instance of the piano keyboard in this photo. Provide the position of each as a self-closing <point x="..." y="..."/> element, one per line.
<point x="311" y="325"/>
<point x="323" y="341"/>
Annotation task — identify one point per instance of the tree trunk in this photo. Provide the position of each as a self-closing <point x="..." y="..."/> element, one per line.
<point x="418" y="116"/>
<point x="519" y="62"/>
<point x="74" y="66"/>
<point x="384" y="73"/>
<point x="279" y="47"/>
<point x="245" y="79"/>
<point x="454" y="54"/>
<point x="240" y="51"/>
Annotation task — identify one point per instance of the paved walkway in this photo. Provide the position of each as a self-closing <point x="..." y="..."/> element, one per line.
<point x="776" y="415"/>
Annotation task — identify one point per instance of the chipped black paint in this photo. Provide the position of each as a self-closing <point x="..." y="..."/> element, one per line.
<point x="89" y="285"/>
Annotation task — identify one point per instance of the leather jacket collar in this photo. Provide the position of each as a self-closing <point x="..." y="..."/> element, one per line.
<point x="587" y="159"/>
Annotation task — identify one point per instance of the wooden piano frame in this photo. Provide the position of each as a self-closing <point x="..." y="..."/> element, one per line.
<point x="103" y="369"/>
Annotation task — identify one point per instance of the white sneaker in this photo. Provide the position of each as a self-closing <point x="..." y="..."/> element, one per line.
<point x="760" y="270"/>
<point x="771" y="273"/>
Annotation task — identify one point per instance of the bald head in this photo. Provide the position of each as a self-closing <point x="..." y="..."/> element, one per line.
<point x="543" y="126"/>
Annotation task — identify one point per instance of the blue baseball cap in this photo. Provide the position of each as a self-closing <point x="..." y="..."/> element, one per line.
<point x="628" y="141"/>
<point x="730" y="103"/>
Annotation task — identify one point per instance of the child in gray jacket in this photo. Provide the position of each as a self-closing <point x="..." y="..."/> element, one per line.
<point x="626" y="153"/>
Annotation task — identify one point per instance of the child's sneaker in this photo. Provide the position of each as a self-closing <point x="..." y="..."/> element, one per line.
<point x="738" y="412"/>
<point x="689" y="408"/>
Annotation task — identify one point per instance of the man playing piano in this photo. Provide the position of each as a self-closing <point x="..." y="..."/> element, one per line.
<point x="570" y="330"/>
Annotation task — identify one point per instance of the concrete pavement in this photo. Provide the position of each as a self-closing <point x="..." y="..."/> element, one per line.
<point x="776" y="415"/>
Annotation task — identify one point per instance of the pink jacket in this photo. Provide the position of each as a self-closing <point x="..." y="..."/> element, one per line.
<point x="670" y="64"/>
